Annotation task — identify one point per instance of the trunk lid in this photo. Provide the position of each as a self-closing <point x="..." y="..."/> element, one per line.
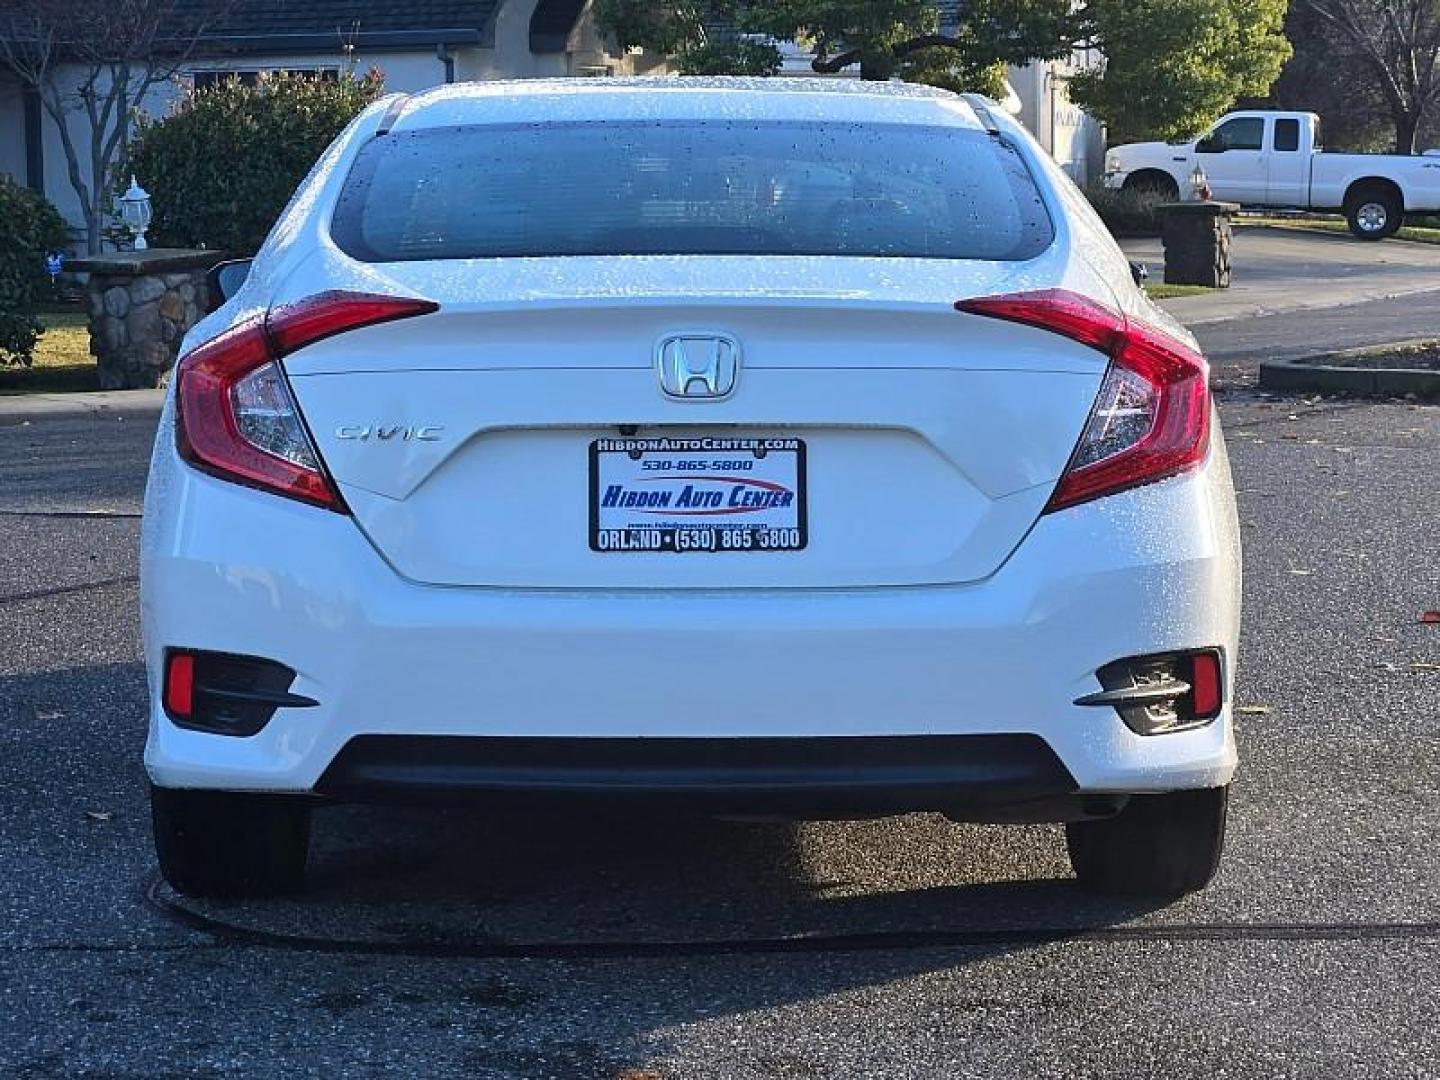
<point x="462" y="440"/>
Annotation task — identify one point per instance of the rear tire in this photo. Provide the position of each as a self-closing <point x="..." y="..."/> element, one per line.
<point x="228" y="844"/>
<point x="1159" y="845"/>
<point x="1374" y="213"/>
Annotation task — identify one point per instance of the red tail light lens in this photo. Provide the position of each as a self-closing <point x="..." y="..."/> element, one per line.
<point x="1151" y="418"/>
<point x="236" y="416"/>
<point x="1207" y="693"/>
<point x="180" y="684"/>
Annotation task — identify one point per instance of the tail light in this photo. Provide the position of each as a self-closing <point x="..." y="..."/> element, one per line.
<point x="1151" y="418"/>
<point x="237" y="418"/>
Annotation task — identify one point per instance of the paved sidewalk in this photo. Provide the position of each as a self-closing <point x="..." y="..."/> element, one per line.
<point x="101" y="405"/>
<point x="1279" y="270"/>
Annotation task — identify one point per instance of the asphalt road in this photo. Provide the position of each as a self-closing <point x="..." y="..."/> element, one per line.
<point x="1234" y="348"/>
<point x="554" y="946"/>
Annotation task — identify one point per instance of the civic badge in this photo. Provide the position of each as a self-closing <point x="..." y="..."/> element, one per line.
<point x="697" y="366"/>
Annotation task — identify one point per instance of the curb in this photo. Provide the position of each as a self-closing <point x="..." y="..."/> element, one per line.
<point x="101" y="405"/>
<point x="1312" y="373"/>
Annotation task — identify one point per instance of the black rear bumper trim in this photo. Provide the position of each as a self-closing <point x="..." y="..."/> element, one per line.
<point x="859" y="773"/>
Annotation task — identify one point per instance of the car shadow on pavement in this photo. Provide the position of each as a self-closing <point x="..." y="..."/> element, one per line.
<point x="598" y="882"/>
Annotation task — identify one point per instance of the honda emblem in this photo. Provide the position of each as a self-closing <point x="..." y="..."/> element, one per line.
<point x="697" y="366"/>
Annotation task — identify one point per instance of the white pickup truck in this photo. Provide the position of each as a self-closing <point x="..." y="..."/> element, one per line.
<point x="1267" y="158"/>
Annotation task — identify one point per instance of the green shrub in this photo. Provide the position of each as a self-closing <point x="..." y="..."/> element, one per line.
<point x="29" y="227"/>
<point x="1127" y="213"/>
<point x="221" y="165"/>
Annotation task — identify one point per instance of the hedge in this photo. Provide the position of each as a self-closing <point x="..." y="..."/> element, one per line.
<point x="29" y="227"/>
<point x="1127" y="213"/>
<point x="221" y="165"/>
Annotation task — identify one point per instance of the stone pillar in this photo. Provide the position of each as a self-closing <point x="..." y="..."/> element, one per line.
<point x="1197" y="241"/>
<point x="141" y="305"/>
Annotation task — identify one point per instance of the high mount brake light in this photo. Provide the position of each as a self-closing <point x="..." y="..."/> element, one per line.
<point x="236" y="416"/>
<point x="1151" y="417"/>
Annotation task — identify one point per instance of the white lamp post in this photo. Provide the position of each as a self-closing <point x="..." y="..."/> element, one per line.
<point x="1199" y="184"/>
<point x="135" y="212"/>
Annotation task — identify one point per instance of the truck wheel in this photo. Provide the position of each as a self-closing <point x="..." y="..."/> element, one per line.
<point x="1374" y="213"/>
<point x="1152" y="182"/>
<point x="1159" y="845"/>
<point x="227" y="844"/>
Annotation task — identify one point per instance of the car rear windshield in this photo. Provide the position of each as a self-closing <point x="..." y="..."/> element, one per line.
<point x="690" y="188"/>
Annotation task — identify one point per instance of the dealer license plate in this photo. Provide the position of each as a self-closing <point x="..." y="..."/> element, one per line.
<point x="705" y="494"/>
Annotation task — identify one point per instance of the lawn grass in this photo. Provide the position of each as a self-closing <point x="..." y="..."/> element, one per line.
<point x="1161" y="291"/>
<point x="63" y="363"/>
<point x="1423" y="234"/>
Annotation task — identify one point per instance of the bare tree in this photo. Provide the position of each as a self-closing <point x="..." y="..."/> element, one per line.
<point x="96" y="60"/>
<point x="1399" y="41"/>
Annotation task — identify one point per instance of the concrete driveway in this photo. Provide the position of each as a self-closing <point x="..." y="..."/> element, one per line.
<point x="1278" y="269"/>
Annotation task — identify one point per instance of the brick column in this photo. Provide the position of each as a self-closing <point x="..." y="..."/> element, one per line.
<point x="1197" y="239"/>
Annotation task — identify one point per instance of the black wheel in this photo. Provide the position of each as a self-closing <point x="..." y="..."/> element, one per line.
<point x="226" y="844"/>
<point x="1152" y="183"/>
<point x="1159" y="845"/>
<point x="1375" y="213"/>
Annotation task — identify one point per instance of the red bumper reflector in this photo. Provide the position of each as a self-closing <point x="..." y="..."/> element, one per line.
<point x="1206" y="691"/>
<point x="180" y="685"/>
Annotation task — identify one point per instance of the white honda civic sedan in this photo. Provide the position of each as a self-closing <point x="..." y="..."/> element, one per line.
<point x="774" y="447"/>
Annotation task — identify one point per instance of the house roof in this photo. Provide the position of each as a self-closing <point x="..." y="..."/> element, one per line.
<point x="303" y="25"/>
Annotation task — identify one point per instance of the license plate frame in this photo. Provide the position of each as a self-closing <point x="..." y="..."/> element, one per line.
<point x="747" y="495"/>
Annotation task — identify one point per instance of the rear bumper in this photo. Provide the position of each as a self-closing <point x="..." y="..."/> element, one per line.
<point x="236" y="571"/>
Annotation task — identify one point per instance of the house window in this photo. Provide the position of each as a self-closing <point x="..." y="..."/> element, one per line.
<point x="204" y="80"/>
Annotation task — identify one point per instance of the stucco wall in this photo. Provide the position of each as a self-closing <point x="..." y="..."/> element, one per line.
<point x="1072" y="136"/>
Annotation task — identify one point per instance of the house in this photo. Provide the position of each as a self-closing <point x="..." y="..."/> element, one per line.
<point x="417" y="45"/>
